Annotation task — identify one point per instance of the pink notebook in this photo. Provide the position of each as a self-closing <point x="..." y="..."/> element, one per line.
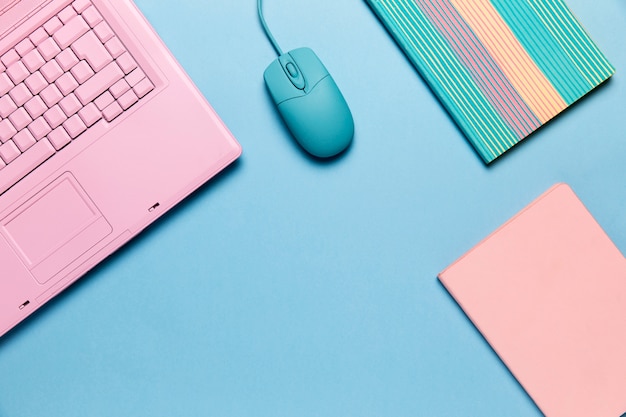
<point x="548" y="292"/>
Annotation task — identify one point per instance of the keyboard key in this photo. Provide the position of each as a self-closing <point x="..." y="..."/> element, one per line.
<point x="99" y="83"/>
<point x="103" y="32"/>
<point x="17" y="72"/>
<point x="7" y="131"/>
<point x="115" y="47"/>
<point x="20" y="118"/>
<point x="112" y="111"/>
<point x="59" y="138"/>
<point x="126" y="63"/>
<point x="82" y="72"/>
<point x="128" y="99"/>
<point x="24" y="140"/>
<point x="36" y="83"/>
<point x="119" y="88"/>
<point x="67" y="14"/>
<point x="92" y="16"/>
<point x="90" y="48"/>
<point x="33" y="61"/>
<point x="52" y="25"/>
<point x="10" y="58"/>
<point x="67" y="59"/>
<point x="143" y="88"/>
<point x="73" y="30"/>
<point x="5" y="84"/>
<point x="104" y="100"/>
<point x="81" y="5"/>
<point x="7" y="106"/>
<point x="28" y="161"/>
<point x="70" y="105"/>
<point x="51" y="71"/>
<point x="35" y="107"/>
<point x="39" y="128"/>
<point x="24" y="47"/>
<point x="134" y="77"/>
<point x="20" y="94"/>
<point x="48" y="49"/>
<point x="74" y="126"/>
<point x="55" y="117"/>
<point x="2" y="164"/>
<point x="38" y="36"/>
<point x="8" y="152"/>
<point x="51" y="95"/>
<point x="90" y="114"/>
<point x="66" y="83"/>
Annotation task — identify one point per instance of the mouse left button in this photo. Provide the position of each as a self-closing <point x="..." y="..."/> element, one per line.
<point x="291" y="70"/>
<point x="279" y="85"/>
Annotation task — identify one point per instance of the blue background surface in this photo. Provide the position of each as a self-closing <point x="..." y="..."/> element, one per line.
<point x="287" y="287"/>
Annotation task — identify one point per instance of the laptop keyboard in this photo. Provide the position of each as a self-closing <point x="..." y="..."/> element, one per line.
<point x="56" y="83"/>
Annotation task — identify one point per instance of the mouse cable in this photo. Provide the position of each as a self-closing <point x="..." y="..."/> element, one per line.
<point x="268" y="33"/>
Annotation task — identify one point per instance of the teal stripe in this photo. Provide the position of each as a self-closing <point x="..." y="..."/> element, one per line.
<point x="496" y="132"/>
<point x="449" y="79"/>
<point x="543" y="48"/>
<point x="583" y="53"/>
<point x="568" y="40"/>
<point x="576" y="31"/>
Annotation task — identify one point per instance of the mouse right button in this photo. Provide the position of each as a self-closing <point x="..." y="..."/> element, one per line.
<point x="310" y="64"/>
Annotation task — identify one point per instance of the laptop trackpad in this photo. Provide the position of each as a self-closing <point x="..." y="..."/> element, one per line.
<point x="55" y="227"/>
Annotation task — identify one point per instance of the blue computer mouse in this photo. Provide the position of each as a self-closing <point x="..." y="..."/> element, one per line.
<point x="310" y="103"/>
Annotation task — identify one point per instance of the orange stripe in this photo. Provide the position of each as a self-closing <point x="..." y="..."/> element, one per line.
<point x="523" y="73"/>
<point x="520" y="68"/>
<point x="517" y="58"/>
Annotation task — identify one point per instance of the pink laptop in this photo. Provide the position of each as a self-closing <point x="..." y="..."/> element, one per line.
<point x="548" y="292"/>
<point x="101" y="132"/>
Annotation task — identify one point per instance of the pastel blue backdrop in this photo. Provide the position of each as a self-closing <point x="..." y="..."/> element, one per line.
<point x="288" y="287"/>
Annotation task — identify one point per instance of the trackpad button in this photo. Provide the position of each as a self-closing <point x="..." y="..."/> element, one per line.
<point x="55" y="227"/>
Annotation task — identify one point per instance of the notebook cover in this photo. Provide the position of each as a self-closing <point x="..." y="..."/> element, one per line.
<point x="548" y="292"/>
<point x="502" y="68"/>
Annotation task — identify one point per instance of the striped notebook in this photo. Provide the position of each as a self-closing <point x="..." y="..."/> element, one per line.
<point x="502" y="68"/>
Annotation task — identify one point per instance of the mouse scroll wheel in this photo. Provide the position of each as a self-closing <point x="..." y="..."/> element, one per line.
<point x="296" y="77"/>
<point x="292" y="70"/>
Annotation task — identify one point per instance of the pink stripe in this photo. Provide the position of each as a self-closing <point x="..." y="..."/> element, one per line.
<point x="493" y="74"/>
<point x="536" y="98"/>
<point x="475" y="67"/>
<point x="497" y="89"/>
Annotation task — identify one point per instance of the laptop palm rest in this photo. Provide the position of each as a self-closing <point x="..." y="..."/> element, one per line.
<point x="55" y="227"/>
